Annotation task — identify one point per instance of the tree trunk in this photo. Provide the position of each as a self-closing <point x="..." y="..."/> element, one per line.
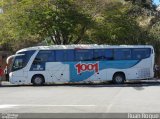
<point x="80" y="35"/>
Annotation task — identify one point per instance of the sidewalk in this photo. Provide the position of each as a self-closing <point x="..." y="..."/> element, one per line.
<point x="3" y="83"/>
<point x="6" y="83"/>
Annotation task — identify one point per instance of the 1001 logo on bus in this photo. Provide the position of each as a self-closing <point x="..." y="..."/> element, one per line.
<point x="83" y="67"/>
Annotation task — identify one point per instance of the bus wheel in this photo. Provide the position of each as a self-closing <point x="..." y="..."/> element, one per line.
<point x="38" y="80"/>
<point x="118" y="78"/>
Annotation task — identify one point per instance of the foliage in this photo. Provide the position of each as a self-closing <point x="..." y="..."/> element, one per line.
<point x="62" y="21"/>
<point x="117" y="27"/>
<point x="32" y="22"/>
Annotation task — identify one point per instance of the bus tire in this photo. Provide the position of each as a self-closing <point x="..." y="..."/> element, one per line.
<point x="118" y="78"/>
<point x="38" y="80"/>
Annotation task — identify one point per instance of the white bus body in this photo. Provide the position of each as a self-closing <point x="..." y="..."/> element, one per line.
<point x="82" y="63"/>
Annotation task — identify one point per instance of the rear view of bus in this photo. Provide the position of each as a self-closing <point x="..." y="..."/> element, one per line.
<point x="82" y="64"/>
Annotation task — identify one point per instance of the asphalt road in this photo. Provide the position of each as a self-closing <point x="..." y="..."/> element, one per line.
<point x="103" y="98"/>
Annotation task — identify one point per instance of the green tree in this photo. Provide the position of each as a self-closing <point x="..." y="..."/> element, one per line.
<point x="61" y="21"/>
<point x="115" y="26"/>
<point x="29" y="22"/>
<point x="11" y="38"/>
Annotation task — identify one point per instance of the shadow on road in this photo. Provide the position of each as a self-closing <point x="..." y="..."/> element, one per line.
<point x="138" y="85"/>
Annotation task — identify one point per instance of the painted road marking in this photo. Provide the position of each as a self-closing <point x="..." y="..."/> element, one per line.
<point x="13" y="106"/>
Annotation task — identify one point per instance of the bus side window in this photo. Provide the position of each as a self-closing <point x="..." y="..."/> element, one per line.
<point x="99" y="54"/>
<point x="109" y="54"/>
<point x="51" y="57"/>
<point x="122" y="54"/>
<point x="84" y="55"/>
<point x="147" y="52"/>
<point x="44" y="56"/>
<point x="70" y="55"/>
<point x="103" y="54"/>
<point x="64" y="55"/>
<point x="141" y="53"/>
<point x="40" y="60"/>
<point x="59" y="55"/>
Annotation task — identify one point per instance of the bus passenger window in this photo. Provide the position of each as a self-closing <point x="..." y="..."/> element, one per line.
<point x="103" y="54"/>
<point x="70" y="55"/>
<point x="64" y="55"/>
<point x="122" y="54"/>
<point x="141" y="53"/>
<point x="99" y="54"/>
<point x="59" y="55"/>
<point x="84" y="55"/>
<point x="109" y="54"/>
<point x="44" y="56"/>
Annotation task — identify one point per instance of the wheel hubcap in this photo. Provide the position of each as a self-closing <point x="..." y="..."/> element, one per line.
<point x="38" y="80"/>
<point x="119" y="79"/>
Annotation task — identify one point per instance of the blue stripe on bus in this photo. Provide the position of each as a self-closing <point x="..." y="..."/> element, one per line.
<point x="75" y="77"/>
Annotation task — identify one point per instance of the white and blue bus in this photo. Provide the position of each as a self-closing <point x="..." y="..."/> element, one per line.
<point x="82" y="64"/>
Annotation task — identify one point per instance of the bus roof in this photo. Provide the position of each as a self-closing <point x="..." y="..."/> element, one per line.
<point x="83" y="46"/>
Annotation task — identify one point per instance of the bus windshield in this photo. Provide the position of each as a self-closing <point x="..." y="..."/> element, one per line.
<point x="21" y="60"/>
<point x="18" y="63"/>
